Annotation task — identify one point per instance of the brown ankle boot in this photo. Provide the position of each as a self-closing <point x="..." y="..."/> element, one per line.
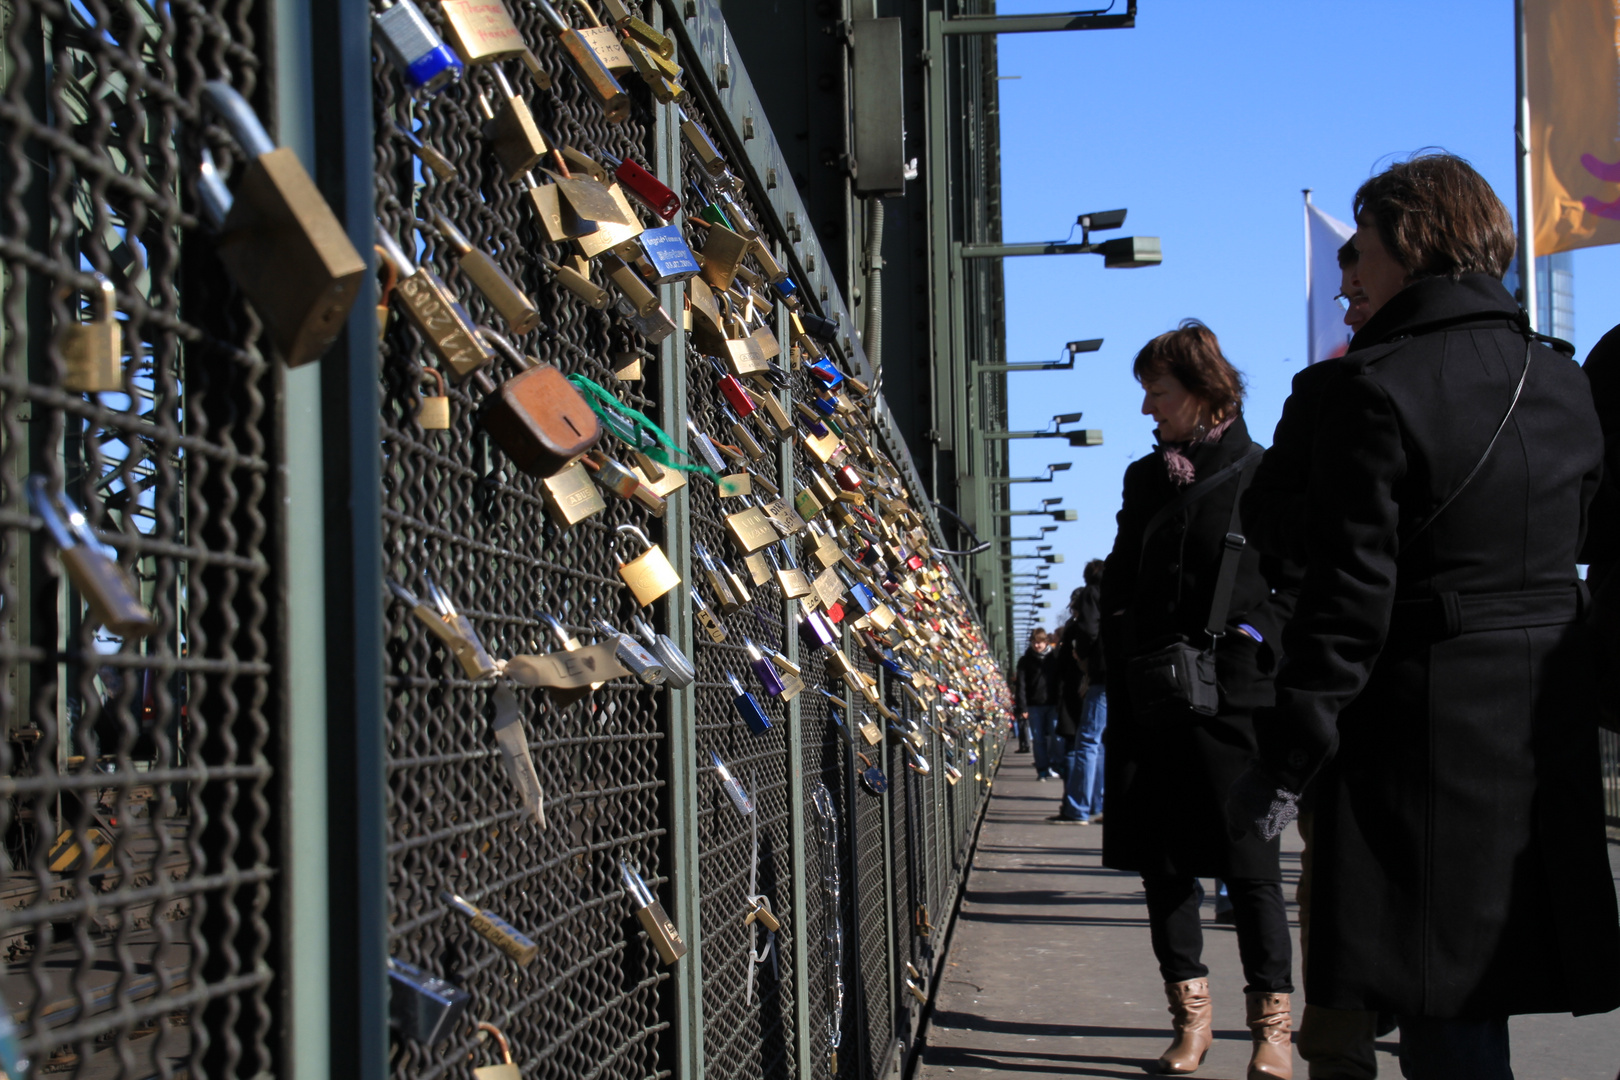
<point x="1191" y="1013"/>
<point x="1273" y="1057"/>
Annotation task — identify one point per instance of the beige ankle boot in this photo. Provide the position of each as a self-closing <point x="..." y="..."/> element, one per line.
<point x="1273" y="1057"/>
<point x="1191" y="1013"/>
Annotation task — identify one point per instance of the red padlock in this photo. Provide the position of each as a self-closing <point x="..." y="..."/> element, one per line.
<point x="647" y="189"/>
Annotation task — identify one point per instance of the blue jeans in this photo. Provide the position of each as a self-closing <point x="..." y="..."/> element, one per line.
<point x="1042" y="732"/>
<point x="1441" y="1049"/>
<point x="1083" y="793"/>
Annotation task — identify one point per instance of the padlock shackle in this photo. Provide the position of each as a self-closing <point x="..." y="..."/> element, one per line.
<point x="500" y="1039"/>
<point x="447" y="228"/>
<point x="434" y="375"/>
<point x="507" y="349"/>
<point x="557" y="629"/>
<point x="39" y="498"/>
<point x="390" y="249"/>
<point x="648" y="544"/>
<point x="559" y="25"/>
<point x="736" y="686"/>
<point x="238" y="116"/>
<point x="501" y="80"/>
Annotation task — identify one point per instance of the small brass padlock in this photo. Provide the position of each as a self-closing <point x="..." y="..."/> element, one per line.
<point x="507" y="1069"/>
<point x="93" y="352"/>
<point x="649" y="575"/>
<point x="759" y="910"/>
<point x="113" y="601"/>
<point x="434" y="414"/>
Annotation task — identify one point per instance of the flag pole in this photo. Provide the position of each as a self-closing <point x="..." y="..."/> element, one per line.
<point x="1310" y="308"/>
<point x="1521" y="128"/>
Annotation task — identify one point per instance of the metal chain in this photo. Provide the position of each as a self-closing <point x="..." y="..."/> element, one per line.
<point x="827" y="829"/>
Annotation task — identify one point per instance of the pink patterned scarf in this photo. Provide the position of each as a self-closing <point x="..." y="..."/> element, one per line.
<point x="1175" y="459"/>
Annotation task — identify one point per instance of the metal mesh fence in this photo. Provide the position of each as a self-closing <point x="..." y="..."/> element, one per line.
<point x="138" y="767"/>
<point x="141" y="897"/>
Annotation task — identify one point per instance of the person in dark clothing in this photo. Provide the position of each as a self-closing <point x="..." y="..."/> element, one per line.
<point x="1035" y="698"/>
<point x="1084" y="674"/>
<point x="1602" y="548"/>
<point x="1337" y="1044"/>
<point x="1167" y="778"/>
<point x="1439" y="693"/>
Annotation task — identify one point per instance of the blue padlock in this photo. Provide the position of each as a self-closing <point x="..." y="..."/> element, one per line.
<point x="747" y="708"/>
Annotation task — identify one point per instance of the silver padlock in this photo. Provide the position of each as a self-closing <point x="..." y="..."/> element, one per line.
<point x="678" y="670"/>
<point x="641" y="663"/>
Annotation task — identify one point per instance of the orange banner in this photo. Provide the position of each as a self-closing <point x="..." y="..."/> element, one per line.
<point x="1573" y="64"/>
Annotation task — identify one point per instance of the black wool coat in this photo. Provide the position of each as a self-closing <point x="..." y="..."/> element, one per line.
<point x="1166" y="786"/>
<point x="1438" y="685"/>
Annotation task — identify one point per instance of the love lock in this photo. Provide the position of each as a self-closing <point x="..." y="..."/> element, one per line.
<point x="760" y="909"/>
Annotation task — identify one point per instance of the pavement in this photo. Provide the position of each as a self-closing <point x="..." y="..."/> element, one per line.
<point x="1050" y="972"/>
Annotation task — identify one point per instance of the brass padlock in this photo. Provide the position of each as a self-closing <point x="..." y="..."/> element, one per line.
<point x="113" y="601"/>
<point x="451" y="627"/>
<point x="711" y="626"/>
<point x="608" y="49"/>
<point x="488" y="278"/>
<point x="625" y="18"/>
<point x="93" y="352"/>
<point x="617" y="237"/>
<point x="496" y="930"/>
<point x="630" y="285"/>
<point x="650" y="913"/>
<point x="750" y="529"/>
<point x="434" y="414"/>
<point x="759" y="909"/>
<point x="870" y="731"/>
<point x="698" y="139"/>
<point x="758" y="569"/>
<point x="580" y="284"/>
<point x="511" y="130"/>
<point x="593" y="74"/>
<point x="723" y="251"/>
<point x="482" y="30"/>
<point x="649" y="575"/>
<point x="436" y="312"/>
<point x="557" y="217"/>
<point x="279" y="240"/>
<point x="507" y="1069"/>
<point x="571" y="497"/>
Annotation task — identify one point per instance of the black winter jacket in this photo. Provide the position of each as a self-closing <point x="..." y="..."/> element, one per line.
<point x="1034" y="680"/>
<point x="1439" y="686"/>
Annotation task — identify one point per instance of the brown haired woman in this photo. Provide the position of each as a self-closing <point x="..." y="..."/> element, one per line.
<point x="1438" y="697"/>
<point x="1169" y="765"/>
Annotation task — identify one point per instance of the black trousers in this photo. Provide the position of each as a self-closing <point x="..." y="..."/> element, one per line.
<point x="1262" y="931"/>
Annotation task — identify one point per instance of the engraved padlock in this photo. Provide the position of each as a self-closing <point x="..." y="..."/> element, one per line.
<point x="436" y="312"/>
<point x="571" y="496"/>
<point x="707" y="621"/>
<point x="495" y="930"/>
<point x="507" y="1069"/>
<point x="649" y="575"/>
<point x="587" y="65"/>
<point x="93" y="352"/>
<point x="482" y="31"/>
<point x="114" y="602"/>
<point x="434" y="414"/>
<point x="278" y="238"/>
<point x="643" y="665"/>
<point x="650" y="913"/>
<point x="678" y="670"/>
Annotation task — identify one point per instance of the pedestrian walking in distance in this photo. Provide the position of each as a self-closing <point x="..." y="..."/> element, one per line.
<point x="1036" y="700"/>
<point x="1190" y="628"/>
<point x="1439" y="695"/>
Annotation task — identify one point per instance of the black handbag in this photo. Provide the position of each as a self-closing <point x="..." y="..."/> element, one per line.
<point x="1176" y="681"/>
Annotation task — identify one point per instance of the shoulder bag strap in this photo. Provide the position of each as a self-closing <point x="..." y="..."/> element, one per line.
<point x="1529" y="350"/>
<point x="1231" y="554"/>
<point x="1192" y="494"/>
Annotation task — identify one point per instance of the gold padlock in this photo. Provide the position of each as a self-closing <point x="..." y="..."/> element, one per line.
<point x="93" y="352"/>
<point x="571" y="496"/>
<point x="758" y="568"/>
<point x="482" y="30"/>
<point x="507" y="1069"/>
<point x="759" y="909"/>
<point x="649" y="575"/>
<point x="750" y="529"/>
<point x="511" y="129"/>
<point x="434" y="415"/>
<point x="101" y="581"/>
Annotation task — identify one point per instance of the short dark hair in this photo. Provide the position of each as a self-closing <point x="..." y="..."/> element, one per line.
<point x="1037" y="635"/>
<point x="1193" y="355"/>
<point x="1348" y="255"/>
<point x="1438" y="217"/>
<point x="1092" y="574"/>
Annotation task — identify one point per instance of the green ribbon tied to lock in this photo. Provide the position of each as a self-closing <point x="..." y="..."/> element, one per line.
<point x="634" y="429"/>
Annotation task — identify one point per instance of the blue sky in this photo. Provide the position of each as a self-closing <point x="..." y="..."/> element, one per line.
<point x="1206" y="120"/>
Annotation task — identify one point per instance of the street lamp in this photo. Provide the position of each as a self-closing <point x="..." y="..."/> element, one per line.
<point x="1086" y="437"/>
<point x="1125" y="252"/>
<point x="1073" y="349"/>
<point x="1051" y="474"/>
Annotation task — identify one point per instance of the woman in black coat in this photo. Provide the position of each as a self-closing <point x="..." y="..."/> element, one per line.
<point x="1438" y="695"/>
<point x="1167" y="776"/>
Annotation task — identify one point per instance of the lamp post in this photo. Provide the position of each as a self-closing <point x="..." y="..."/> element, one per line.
<point x="1072" y="349"/>
<point x="1051" y="474"/>
<point x="1083" y="437"/>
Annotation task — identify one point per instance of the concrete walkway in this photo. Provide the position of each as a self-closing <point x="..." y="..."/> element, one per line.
<point x="1050" y="972"/>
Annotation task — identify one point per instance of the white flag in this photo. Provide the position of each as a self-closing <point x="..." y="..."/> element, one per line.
<point x="1324" y="318"/>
